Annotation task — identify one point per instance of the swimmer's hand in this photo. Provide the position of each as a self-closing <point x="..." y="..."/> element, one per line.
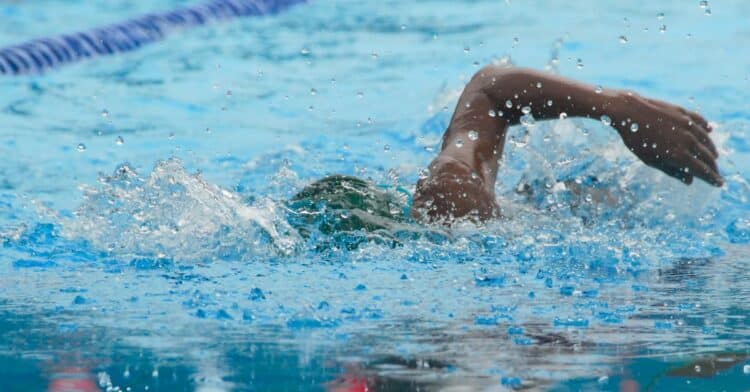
<point x="667" y="137"/>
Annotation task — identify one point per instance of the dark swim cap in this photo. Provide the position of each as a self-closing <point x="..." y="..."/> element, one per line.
<point x="345" y="204"/>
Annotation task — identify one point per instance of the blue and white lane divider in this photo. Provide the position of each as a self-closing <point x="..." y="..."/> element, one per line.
<point x="43" y="54"/>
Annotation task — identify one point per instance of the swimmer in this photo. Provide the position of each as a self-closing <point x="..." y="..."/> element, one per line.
<point x="461" y="179"/>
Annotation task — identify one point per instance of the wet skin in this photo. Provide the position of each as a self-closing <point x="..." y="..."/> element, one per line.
<point x="461" y="180"/>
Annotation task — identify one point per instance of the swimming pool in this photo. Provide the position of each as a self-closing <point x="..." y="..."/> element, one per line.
<point x="123" y="268"/>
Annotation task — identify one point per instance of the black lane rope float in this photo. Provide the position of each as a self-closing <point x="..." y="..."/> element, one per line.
<point x="43" y="54"/>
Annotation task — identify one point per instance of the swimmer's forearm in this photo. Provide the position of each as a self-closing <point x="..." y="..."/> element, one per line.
<point x="663" y="135"/>
<point x="519" y="91"/>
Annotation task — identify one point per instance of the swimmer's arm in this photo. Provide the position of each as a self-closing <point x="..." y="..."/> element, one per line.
<point x="462" y="177"/>
<point x="666" y="137"/>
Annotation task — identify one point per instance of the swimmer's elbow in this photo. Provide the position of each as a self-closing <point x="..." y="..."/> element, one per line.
<point x="497" y="80"/>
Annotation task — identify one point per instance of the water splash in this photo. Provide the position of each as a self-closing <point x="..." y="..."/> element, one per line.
<point x="173" y="214"/>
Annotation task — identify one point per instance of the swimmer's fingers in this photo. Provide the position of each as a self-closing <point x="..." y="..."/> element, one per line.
<point x="679" y="174"/>
<point x="704" y="140"/>
<point x="704" y="154"/>
<point x="700" y="169"/>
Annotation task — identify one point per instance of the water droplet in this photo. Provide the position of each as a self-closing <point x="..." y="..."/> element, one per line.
<point x="606" y="120"/>
<point x="523" y="140"/>
<point x="105" y="113"/>
<point x="598" y="89"/>
<point x="634" y="127"/>
<point x="473" y="135"/>
<point x="459" y="142"/>
<point x="119" y="141"/>
<point x="508" y="104"/>
<point x="528" y="120"/>
<point x="623" y="39"/>
<point x="563" y="115"/>
<point x="663" y="28"/>
<point x="526" y="110"/>
<point x="81" y="147"/>
<point x="491" y="113"/>
<point x="423" y="174"/>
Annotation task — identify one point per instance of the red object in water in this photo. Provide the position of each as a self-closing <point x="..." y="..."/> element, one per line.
<point x="72" y="380"/>
<point x="349" y="383"/>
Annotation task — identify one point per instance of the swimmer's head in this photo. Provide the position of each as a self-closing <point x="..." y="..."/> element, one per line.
<point x="345" y="204"/>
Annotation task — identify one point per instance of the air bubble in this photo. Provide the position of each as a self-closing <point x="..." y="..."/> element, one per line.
<point x="105" y="113"/>
<point x="538" y="84"/>
<point x="746" y="369"/>
<point x="313" y="91"/>
<point x="119" y="141"/>
<point x="579" y="63"/>
<point x="623" y="39"/>
<point x="459" y="142"/>
<point x="473" y="135"/>
<point x="663" y="28"/>
<point x="491" y="113"/>
<point x="386" y="148"/>
<point x="634" y="127"/>
<point x="81" y="147"/>
<point x="526" y="110"/>
<point x="660" y="16"/>
<point x="598" y="89"/>
<point x="360" y="94"/>
<point x="703" y="4"/>
<point x="508" y="104"/>
<point x="606" y="120"/>
<point x="563" y="115"/>
<point x="304" y="51"/>
<point x="707" y="12"/>
<point x="549" y="102"/>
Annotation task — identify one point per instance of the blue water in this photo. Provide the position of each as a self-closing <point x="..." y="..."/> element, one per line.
<point x="145" y="240"/>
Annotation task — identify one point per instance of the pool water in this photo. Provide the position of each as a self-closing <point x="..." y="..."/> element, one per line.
<point x="147" y="243"/>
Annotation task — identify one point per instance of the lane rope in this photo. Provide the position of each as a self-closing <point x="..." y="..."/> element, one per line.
<point x="43" y="54"/>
